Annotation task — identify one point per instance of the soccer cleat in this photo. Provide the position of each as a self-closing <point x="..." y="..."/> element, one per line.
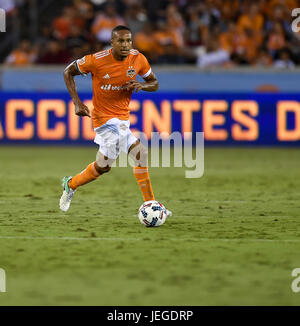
<point x="169" y="213"/>
<point x="65" y="199"/>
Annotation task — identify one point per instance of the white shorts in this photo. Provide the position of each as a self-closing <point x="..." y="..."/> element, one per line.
<point x="114" y="136"/>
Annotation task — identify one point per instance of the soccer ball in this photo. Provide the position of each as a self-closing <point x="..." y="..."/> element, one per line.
<point x="152" y="213"/>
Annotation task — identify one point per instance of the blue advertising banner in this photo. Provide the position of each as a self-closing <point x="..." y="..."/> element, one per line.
<point x="225" y="118"/>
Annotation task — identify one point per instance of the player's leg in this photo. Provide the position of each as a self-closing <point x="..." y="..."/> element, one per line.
<point x="107" y="139"/>
<point x="139" y="154"/>
<point x="90" y="173"/>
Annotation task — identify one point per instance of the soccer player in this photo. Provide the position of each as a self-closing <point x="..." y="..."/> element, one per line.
<point x="113" y="73"/>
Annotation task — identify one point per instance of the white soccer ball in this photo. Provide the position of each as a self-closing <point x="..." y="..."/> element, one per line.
<point x="152" y="213"/>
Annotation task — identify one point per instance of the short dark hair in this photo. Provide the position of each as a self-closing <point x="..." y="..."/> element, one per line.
<point x="120" y="28"/>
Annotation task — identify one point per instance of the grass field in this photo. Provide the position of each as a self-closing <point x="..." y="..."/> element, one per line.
<point x="234" y="238"/>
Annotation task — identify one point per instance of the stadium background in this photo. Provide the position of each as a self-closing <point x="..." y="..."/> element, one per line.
<point x="228" y="68"/>
<point x="224" y="55"/>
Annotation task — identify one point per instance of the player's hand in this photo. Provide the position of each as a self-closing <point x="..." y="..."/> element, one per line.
<point x="82" y="110"/>
<point x="132" y="85"/>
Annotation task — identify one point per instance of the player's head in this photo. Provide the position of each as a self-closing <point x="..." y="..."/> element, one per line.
<point x="121" y="41"/>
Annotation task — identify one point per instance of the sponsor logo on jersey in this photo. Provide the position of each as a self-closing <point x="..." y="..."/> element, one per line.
<point x="109" y="87"/>
<point x="106" y="76"/>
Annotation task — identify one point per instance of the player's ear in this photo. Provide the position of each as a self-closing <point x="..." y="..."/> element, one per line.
<point x="112" y="39"/>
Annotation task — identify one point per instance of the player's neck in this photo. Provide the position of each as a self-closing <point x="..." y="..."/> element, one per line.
<point x="118" y="57"/>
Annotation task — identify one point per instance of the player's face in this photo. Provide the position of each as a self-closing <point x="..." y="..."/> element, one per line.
<point x="121" y="43"/>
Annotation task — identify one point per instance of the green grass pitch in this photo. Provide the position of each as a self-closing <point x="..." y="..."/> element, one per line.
<point x="234" y="238"/>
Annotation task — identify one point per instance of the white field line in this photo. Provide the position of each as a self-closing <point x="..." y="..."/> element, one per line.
<point x="141" y="239"/>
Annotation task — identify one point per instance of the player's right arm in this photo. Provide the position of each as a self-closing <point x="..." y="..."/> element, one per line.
<point x="70" y="71"/>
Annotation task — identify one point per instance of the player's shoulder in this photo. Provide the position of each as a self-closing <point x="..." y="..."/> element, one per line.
<point x="101" y="54"/>
<point x="137" y="55"/>
<point x="134" y="52"/>
<point x="93" y="57"/>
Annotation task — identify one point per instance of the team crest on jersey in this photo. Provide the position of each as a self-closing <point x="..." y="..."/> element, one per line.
<point x="131" y="71"/>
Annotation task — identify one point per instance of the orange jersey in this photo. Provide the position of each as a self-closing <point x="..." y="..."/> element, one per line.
<point x="110" y="100"/>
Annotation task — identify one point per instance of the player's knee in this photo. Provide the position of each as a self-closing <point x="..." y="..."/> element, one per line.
<point x="141" y="155"/>
<point x="144" y="154"/>
<point x="102" y="169"/>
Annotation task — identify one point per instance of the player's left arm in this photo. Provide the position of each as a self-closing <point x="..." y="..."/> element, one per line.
<point x="150" y="84"/>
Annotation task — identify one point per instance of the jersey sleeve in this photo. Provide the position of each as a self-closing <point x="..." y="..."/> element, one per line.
<point x="85" y="64"/>
<point x="145" y="68"/>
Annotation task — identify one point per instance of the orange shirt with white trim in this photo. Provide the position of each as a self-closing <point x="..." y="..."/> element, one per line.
<point x="110" y="99"/>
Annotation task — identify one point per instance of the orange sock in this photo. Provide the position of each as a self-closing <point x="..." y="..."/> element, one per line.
<point x="143" y="179"/>
<point x="86" y="176"/>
